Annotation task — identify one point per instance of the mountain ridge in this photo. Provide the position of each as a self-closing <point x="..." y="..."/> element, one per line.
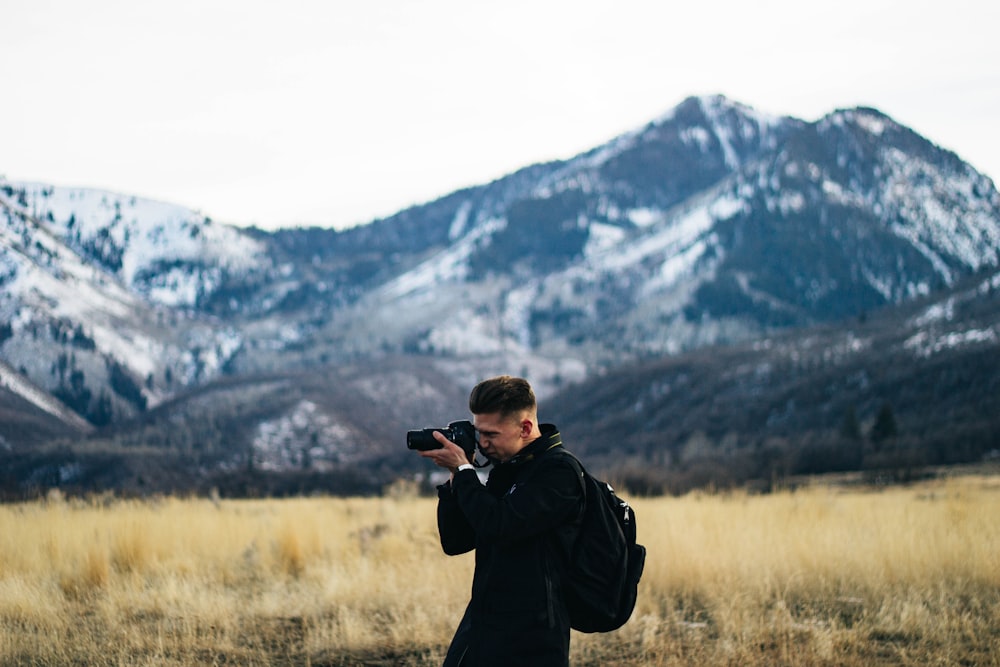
<point x="712" y="225"/>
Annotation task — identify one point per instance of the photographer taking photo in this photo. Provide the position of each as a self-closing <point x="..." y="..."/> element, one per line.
<point x="517" y="614"/>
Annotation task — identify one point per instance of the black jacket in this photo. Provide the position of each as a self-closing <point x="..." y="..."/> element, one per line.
<point x="517" y="615"/>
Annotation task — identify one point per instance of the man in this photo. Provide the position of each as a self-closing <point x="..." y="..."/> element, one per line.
<point x="530" y="505"/>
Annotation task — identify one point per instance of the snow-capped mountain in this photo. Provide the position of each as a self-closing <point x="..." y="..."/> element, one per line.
<point x="102" y="295"/>
<point x="711" y="224"/>
<point x="169" y="255"/>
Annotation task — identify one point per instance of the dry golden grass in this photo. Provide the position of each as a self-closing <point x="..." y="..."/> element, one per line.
<point x="820" y="576"/>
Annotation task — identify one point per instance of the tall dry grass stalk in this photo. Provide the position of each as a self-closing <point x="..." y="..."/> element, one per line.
<point x="815" y="577"/>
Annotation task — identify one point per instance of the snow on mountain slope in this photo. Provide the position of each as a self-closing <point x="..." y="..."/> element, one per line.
<point x="449" y="265"/>
<point x="171" y="254"/>
<point x="711" y="223"/>
<point x="17" y="384"/>
<point x="925" y="200"/>
<point x="74" y="326"/>
<point x="43" y="275"/>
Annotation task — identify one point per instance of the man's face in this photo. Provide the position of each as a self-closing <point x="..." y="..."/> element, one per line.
<point x="501" y="438"/>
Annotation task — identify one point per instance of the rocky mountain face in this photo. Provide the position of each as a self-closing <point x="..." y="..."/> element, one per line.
<point x="141" y="327"/>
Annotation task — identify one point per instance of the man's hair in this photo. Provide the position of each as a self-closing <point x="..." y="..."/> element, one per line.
<point x="504" y="394"/>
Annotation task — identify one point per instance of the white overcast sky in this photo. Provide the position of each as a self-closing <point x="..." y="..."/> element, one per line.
<point x="334" y="112"/>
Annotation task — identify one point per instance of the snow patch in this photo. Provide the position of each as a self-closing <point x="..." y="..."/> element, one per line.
<point x="871" y="124"/>
<point x="937" y="313"/>
<point x="726" y="207"/>
<point x="677" y="266"/>
<point x="925" y="345"/>
<point x="644" y="217"/>
<point x="451" y="264"/>
<point x="17" y="384"/>
<point x="303" y="439"/>
<point x="142" y="235"/>
<point x="696" y="135"/>
<point x="602" y="237"/>
<point x="460" y="221"/>
<point x="467" y="335"/>
<point x="675" y="237"/>
<point x="517" y="314"/>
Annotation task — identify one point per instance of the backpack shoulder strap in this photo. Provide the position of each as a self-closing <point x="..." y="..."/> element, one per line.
<point x="581" y="472"/>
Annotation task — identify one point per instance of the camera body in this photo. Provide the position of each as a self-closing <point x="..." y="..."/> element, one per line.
<point x="462" y="433"/>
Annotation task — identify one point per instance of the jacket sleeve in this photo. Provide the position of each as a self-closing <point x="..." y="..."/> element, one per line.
<point x="550" y="496"/>
<point x="457" y="536"/>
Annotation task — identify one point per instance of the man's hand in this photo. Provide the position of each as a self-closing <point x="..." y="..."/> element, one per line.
<point x="450" y="455"/>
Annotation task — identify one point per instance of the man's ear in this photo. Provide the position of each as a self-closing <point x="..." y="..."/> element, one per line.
<point x="526" y="427"/>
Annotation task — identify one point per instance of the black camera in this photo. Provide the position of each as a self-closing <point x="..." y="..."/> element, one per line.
<point x="462" y="433"/>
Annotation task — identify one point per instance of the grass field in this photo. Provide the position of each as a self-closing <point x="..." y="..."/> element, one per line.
<point x="819" y="576"/>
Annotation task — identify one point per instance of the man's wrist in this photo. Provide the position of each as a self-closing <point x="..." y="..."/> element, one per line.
<point x="465" y="466"/>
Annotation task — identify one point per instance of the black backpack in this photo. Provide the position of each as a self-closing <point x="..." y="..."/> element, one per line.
<point x="604" y="562"/>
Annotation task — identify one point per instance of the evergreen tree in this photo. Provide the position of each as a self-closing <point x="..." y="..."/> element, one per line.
<point x="884" y="427"/>
<point x="102" y="412"/>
